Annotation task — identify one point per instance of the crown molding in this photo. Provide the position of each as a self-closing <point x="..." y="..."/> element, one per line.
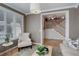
<point x="60" y="8"/>
<point x="10" y="8"/>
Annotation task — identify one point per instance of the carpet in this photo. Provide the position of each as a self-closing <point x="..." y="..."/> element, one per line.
<point x="56" y="51"/>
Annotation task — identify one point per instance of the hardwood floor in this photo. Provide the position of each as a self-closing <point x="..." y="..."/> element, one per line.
<point x="52" y="42"/>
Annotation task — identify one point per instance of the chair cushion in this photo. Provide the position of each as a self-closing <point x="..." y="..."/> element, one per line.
<point x="24" y="40"/>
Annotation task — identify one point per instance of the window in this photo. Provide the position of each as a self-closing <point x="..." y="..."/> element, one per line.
<point x="1" y="15"/>
<point x="19" y="25"/>
<point x="10" y="23"/>
<point x="1" y="28"/>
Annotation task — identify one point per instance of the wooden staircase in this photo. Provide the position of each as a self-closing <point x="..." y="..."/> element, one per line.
<point x="60" y="28"/>
<point x="58" y="25"/>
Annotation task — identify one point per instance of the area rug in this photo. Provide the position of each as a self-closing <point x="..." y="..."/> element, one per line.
<point x="56" y="51"/>
<point x="26" y="51"/>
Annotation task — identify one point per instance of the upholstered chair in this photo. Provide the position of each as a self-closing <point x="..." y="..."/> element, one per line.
<point x="24" y="40"/>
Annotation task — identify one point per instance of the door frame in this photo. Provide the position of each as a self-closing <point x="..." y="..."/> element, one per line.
<point x="66" y="12"/>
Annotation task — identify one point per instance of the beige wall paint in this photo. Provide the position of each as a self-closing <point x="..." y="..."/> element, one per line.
<point x="25" y="23"/>
<point x="74" y="23"/>
<point x="77" y="17"/>
<point x="33" y="27"/>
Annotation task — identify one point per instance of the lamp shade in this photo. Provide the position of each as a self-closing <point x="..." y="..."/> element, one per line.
<point x="35" y="8"/>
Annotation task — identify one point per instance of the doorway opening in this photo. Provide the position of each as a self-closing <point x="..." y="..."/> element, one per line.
<point x="54" y="28"/>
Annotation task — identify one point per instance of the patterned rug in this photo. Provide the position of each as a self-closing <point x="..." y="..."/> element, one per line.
<point x="56" y="51"/>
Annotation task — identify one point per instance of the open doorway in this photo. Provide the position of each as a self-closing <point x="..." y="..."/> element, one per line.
<point x="54" y="28"/>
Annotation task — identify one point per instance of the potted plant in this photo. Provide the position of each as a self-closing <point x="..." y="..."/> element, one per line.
<point x="41" y="50"/>
<point x="7" y="39"/>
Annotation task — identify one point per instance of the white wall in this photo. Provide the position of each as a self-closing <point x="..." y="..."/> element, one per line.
<point x="33" y="27"/>
<point x="52" y="34"/>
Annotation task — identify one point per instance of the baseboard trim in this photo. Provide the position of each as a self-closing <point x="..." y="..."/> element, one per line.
<point x="37" y="43"/>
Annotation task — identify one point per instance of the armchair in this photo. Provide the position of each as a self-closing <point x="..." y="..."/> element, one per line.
<point x="24" y="40"/>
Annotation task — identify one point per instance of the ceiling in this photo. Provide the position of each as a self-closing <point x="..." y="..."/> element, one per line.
<point x="25" y="7"/>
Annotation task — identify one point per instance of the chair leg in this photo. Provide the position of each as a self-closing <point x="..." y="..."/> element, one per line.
<point x="19" y="49"/>
<point x="31" y="46"/>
